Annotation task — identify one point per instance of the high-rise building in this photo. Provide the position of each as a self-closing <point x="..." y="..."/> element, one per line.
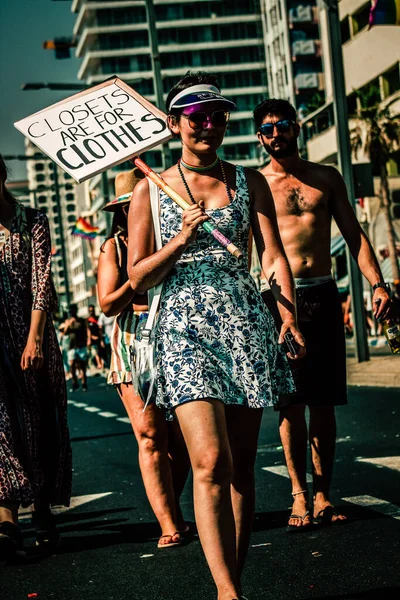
<point x="293" y="51"/>
<point x="371" y="58"/>
<point x="62" y="213"/>
<point x="225" y="38"/>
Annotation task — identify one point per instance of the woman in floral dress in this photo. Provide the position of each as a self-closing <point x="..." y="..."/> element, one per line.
<point x="35" y="455"/>
<point x="218" y="359"/>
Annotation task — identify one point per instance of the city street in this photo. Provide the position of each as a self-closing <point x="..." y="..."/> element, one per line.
<point x="109" y="536"/>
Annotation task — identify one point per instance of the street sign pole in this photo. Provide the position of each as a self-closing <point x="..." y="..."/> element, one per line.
<point x="156" y="66"/>
<point x="344" y="154"/>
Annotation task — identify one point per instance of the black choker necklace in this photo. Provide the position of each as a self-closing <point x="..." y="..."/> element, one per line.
<point x="189" y="193"/>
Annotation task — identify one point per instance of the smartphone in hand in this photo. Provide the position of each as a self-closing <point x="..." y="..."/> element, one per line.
<point x="291" y="345"/>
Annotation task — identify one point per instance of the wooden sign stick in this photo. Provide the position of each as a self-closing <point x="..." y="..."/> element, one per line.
<point x="208" y="225"/>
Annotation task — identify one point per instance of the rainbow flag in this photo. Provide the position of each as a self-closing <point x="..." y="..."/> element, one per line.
<point x="384" y="12"/>
<point x="84" y="229"/>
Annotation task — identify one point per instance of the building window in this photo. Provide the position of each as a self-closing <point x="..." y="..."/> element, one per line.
<point x="345" y="30"/>
<point x="71" y="219"/>
<point x="360" y="19"/>
<point x="69" y="186"/>
<point x="352" y="107"/>
<point x="391" y="81"/>
<point x="70" y="208"/>
<point x="42" y="199"/>
<point x="39" y="167"/>
<point x="40" y="177"/>
<point x="273" y="15"/>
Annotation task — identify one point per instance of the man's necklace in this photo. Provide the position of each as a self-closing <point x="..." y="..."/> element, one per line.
<point x="189" y="193"/>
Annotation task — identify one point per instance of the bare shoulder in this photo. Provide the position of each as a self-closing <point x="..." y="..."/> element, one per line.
<point x="255" y="178"/>
<point x="109" y="247"/>
<point x="325" y="172"/>
<point x="141" y="189"/>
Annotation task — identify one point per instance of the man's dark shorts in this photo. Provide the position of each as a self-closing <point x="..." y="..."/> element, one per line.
<point x="320" y="377"/>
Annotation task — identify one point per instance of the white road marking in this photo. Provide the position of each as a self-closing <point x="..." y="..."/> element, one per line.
<point x="282" y="471"/>
<point x="391" y="462"/>
<point x="123" y="419"/>
<point x="107" y="415"/>
<point x="382" y="506"/>
<point x="25" y="513"/>
<point x="80" y="404"/>
<point x="92" y="409"/>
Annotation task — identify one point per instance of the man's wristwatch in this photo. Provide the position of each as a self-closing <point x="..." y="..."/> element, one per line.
<point x="382" y="284"/>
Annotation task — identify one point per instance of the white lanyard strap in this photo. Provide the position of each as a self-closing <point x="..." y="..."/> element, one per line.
<point x="155" y="292"/>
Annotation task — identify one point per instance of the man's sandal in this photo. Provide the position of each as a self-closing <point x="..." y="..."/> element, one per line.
<point x="172" y="543"/>
<point x="297" y="528"/>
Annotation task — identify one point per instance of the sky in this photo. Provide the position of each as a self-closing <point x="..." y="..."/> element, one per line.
<point x="24" y="26"/>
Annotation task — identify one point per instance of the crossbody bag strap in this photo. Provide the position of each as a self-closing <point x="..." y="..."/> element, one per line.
<point x="155" y="292"/>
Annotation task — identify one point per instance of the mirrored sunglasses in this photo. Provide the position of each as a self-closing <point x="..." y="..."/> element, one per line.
<point x="200" y="120"/>
<point x="267" y="129"/>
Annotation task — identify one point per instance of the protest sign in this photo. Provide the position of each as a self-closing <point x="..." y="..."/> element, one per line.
<point x="96" y="129"/>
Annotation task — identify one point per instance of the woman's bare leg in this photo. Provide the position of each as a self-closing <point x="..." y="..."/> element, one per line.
<point x="150" y="429"/>
<point x="9" y="512"/>
<point x="243" y="429"/>
<point x="203" y="425"/>
<point x="180" y="466"/>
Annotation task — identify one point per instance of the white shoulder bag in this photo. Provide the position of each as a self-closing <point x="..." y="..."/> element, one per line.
<point x="143" y="351"/>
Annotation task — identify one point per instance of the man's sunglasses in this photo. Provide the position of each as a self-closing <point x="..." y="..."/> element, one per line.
<point x="267" y="129"/>
<point x="200" y="120"/>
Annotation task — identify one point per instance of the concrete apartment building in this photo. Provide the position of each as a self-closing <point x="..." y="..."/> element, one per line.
<point x="371" y="61"/>
<point x="223" y="37"/>
<point x="42" y="195"/>
<point x="293" y="52"/>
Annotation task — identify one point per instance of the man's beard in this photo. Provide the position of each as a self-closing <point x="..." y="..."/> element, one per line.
<point x="289" y="150"/>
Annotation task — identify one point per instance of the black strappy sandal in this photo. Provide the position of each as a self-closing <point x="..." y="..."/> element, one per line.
<point x="44" y="524"/>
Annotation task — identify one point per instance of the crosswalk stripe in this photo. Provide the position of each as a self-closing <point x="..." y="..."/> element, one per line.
<point x="107" y="414"/>
<point x="25" y="513"/>
<point x="391" y="462"/>
<point x="282" y="471"/>
<point x="80" y="404"/>
<point x="92" y="409"/>
<point x="123" y="419"/>
<point x="382" y="506"/>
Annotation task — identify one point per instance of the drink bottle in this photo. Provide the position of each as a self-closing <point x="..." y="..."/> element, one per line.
<point x="392" y="334"/>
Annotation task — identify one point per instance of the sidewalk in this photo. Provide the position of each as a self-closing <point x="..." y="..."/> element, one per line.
<point x="380" y="371"/>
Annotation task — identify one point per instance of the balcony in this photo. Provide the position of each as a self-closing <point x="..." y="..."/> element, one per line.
<point x="302" y="15"/>
<point x="306" y="48"/>
<point x="309" y="81"/>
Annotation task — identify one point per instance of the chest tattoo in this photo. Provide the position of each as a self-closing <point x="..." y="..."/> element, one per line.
<point x="295" y="202"/>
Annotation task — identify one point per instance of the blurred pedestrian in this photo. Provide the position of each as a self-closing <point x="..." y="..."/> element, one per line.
<point x="163" y="458"/>
<point x="63" y="340"/>
<point x="94" y="338"/>
<point x="307" y="196"/>
<point x="35" y="454"/>
<point x="218" y="358"/>
<point x="106" y="325"/>
<point x="78" y="355"/>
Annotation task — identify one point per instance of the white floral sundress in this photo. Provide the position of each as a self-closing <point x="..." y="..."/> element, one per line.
<point x="215" y="336"/>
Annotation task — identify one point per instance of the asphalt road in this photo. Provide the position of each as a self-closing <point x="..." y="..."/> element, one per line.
<point x="108" y="549"/>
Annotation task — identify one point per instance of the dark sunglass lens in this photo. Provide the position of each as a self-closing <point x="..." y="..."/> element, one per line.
<point x="267" y="129"/>
<point x="219" y="118"/>
<point x="197" y="119"/>
<point x="283" y="126"/>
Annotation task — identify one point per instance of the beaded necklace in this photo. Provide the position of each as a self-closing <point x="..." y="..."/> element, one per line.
<point x="189" y="193"/>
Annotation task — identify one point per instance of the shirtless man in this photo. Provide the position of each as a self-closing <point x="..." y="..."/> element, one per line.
<point x="307" y="195"/>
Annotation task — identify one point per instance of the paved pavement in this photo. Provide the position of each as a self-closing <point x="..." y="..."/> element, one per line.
<point x="109" y="535"/>
<point x="382" y="370"/>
